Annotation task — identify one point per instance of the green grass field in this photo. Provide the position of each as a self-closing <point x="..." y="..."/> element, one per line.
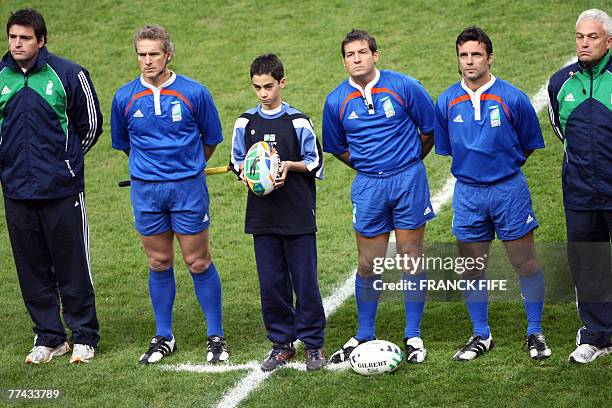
<point x="216" y="41"/>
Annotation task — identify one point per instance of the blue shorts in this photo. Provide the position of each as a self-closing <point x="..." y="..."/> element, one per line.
<point x="382" y="203"/>
<point x="180" y="206"/>
<point x="481" y="211"/>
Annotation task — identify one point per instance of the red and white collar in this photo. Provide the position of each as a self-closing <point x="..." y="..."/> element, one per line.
<point x="475" y="96"/>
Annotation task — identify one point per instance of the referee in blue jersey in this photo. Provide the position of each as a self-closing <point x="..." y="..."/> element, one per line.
<point x="490" y="128"/>
<point x="169" y="127"/>
<point x="380" y="123"/>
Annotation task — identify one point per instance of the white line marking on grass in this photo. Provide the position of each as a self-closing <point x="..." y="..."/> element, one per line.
<point x="339" y="295"/>
<point x="255" y="377"/>
<point x="540" y="99"/>
<point x="209" y="368"/>
<point x="251" y="365"/>
<point x="443" y="196"/>
<point x="241" y="390"/>
<point x="232" y="398"/>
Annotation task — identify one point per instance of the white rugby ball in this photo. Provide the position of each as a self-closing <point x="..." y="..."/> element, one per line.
<point x="376" y="357"/>
<point x="261" y="168"/>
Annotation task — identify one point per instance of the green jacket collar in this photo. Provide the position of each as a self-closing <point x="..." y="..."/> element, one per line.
<point x="599" y="68"/>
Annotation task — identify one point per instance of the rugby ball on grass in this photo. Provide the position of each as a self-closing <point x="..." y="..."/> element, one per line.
<point x="376" y="357"/>
<point x="261" y="168"/>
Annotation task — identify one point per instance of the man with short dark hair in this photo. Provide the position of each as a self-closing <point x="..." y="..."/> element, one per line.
<point x="50" y="117"/>
<point x="580" y="106"/>
<point x="380" y="123"/>
<point x="489" y="127"/>
<point x="169" y="127"/>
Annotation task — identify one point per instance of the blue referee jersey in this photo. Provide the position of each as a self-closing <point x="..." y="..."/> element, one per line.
<point x="487" y="131"/>
<point x="165" y="128"/>
<point x="380" y="124"/>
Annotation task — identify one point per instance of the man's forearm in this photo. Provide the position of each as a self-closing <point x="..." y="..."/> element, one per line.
<point x="345" y="158"/>
<point x="208" y="151"/>
<point x="427" y="142"/>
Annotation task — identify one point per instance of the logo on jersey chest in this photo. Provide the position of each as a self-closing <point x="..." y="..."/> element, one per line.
<point x="176" y="111"/>
<point x="494" y="116"/>
<point x="388" y="107"/>
<point x="270" y="138"/>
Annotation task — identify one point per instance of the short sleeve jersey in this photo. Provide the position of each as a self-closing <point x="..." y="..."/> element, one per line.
<point x="378" y="125"/>
<point x="165" y="128"/>
<point x="487" y="131"/>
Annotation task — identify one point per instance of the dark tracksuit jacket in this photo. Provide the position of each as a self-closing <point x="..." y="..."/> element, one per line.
<point x="581" y="115"/>
<point x="49" y="118"/>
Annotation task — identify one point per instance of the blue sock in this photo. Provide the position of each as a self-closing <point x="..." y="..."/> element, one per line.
<point x="477" y="303"/>
<point x="414" y="303"/>
<point x="532" y="289"/>
<point x="207" y="286"/>
<point x="162" y="291"/>
<point x="367" y="305"/>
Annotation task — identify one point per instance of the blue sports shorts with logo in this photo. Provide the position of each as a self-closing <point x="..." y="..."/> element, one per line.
<point x="180" y="206"/>
<point x="397" y="200"/>
<point x="479" y="211"/>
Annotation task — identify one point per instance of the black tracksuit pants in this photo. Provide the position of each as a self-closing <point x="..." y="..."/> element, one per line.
<point x="50" y="241"/>
<point x="589" y="236"/>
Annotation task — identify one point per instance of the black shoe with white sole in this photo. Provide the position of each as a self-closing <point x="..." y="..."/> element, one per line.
<point x="538" y="349"/>
<point x="315" y="359"/>
<point x="415" y="350"/>
<point x="159" y="348"/>
<point x="216" y="350"/>
<point x="343" y="354"/>
<point x="476" y="346"/>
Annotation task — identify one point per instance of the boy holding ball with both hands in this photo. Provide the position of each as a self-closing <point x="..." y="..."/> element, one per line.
<point x="283" y="223"/>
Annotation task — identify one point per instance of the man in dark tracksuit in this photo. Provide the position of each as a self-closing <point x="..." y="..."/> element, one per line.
<point x="49" y="118"/>
<point x="580" y="108"/>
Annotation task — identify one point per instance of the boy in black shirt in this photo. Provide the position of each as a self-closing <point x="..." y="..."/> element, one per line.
<point x="283" y="222"/>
